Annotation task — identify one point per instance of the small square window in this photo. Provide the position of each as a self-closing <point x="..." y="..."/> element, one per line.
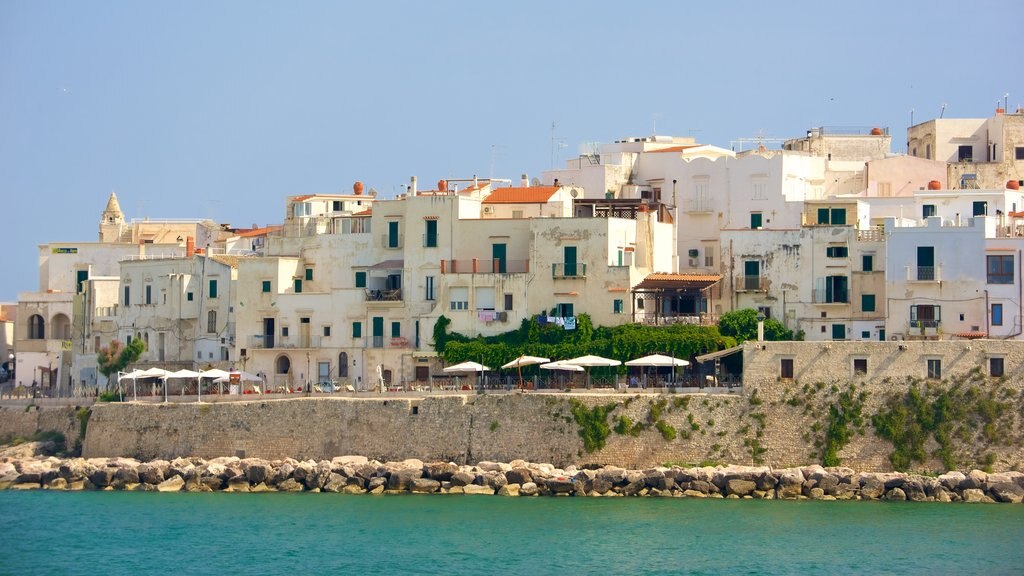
<point x="327" y="331"/>
<point x="284" y="331"/>
<point x="616" y="306"/>
<point x="357" y="329"/>
<point x="309" y="274"/>
<point x="867" y="302"/>
<point x="865" y="335"/>
<point x="868" y="263"/>
<point x="266" y="285"/>
<point x="360" y="279"/>
<point x="189" y="297"/>
<point x="1018" y="153"/>
<point x="934" y="369"/>
<point x="860" y="366"/>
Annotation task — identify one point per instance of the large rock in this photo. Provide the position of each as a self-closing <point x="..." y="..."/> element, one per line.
<point x="560" y="485"/>
<point x="258" y="472"/>
<point x="896" y="494"/>
<point x="401" y="479"/>
<point x="519" y="476"/>
<point x="828" y="482"/>
<point x="152" y="473"/>
<point x="790" y="484"/>
<point x="102" y="477"/>
<point x="951" y="480"/>
<point x="290" y="485"/>
<point x="461" y="478"/>
<point x="440" y="471"/>
<point x="172" y="484"/>
<point x="477" y="489"/>
<point x="975" y="495"/>
<point x="871" y="488"/>
<point x="615" y="476"/>
<point x="335" y="482"/>
<point x="1006" y="491"/>
<point x="740" y="487"/>
<point x="493" y="479"/>
<point x="914" y="490"/>
<point x="529" y="489"/>
<point x="509" y="490"/>
<point x="424" y="485"/>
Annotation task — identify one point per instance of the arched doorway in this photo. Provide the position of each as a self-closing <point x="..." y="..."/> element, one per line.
<point x="36" y="327"/>
<point x="282" y="370"/>
<point x="343" y="365"/>
<point x="60" y="327"/>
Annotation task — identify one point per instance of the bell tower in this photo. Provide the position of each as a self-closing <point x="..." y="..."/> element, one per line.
<point x="112" y="221"/>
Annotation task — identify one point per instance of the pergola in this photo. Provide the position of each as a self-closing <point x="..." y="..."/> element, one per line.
<point x="672" y="298"/>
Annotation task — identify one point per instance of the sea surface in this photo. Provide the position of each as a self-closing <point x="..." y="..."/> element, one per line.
<point x="65" y="533"/>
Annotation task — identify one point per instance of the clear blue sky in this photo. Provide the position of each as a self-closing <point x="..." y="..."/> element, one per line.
<point x="221" y="109"/>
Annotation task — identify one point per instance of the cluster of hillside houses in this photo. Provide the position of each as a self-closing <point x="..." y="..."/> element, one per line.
<point x="833" y="235"/>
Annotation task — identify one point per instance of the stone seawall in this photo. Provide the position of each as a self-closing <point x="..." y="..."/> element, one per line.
<point x="772" y="423"/>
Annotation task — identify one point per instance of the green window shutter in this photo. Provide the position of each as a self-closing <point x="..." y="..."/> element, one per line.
<point x="867" y="302"/>
<point x="360" y="279"/>
<point x="357" y="329"/>
<point x="266" y="285"/>
<point x="396" y="329"/>
<point x="822" y="215"/>
<point x="309" y="274"/>
<point x="213" y="288"/>
<point x="298" y="285"/>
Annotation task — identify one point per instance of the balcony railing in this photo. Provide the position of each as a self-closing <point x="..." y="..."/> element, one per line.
<point x="751" y="284"/>
<point x="391" y="241"/>
<point x="919" y="324"/>
<point x="698" y="206"/>
<point x="377" y="342"/>
<point x="261" y="341"/>
<point x="430" y="240"/>
<point x="871" y="235"/>
<point x="485" y="266"/>
<point x="384" y="295"/>
<point x="924" y="273"/>
<point x="267" y="341"/>
<point x="569" y="270"/>
<point x="830" y="296"/>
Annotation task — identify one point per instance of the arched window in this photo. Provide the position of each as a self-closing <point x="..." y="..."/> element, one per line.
<point x="36" y="327"/>
<point x="343" y="365"/>
<point x="211" y="321"/>
<point x="283" y="365"/>
<point x="60" y="327"/>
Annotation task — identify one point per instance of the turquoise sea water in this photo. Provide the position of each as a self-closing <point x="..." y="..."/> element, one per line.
<point x="231" y="534"/>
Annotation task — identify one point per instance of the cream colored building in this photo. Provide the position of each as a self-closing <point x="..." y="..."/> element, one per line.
<point x="982" y="153"/>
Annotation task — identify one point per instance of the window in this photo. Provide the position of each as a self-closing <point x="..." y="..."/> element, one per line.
<point x="430" y="234"/>
<point x="1018" y="153"/>
<point x="837" y="252"/>
<point x="934" y="368"/>
<point x="81" y="277"/>
<point x="360" y="279"/>
<point x="617" y="306"/>
<point x="786" y="368"/>
<point x="429" y="283"/>
<point x="36" y="327"/>
<point x="213" y="288"/>
<point x="836" y="289"/>
<point x="508" y="301"/>
<point x="839" y="331"/>
<point x="928" y="151"/>
<point x="860" y="366"/>
<point x="709" y="258"/>
<point x="336" y="206"/>
<point x="965" y="153"/>
<point x="822" y="216"/>
<point x="302" y="209"/>
<point x="758" y="188"/>
<point x="127" y="295"/>
<point x="396" y="329"/>
<point x="867" y="302"/>
<point x="925" y="315"/>
<point x="211" y="321"/>
<point x="357" y="329"/>
<point x="928" y="210"/>
<point x="755" y="220"/>
<point x="867" y="262"/>
<point x="298" y="285"/>
<point x="997" y="314"/>
<point x="1000" y="269"/>
<point x="564" y="310"/>
<point x="995" y="366"/>
<point x="309" y="274"/>
<point x="865" y="334"/>
<point x="284" y="331"/>
<point x="838" y="216"/>
<point x="327" y="331"/>
<point x="980" y="208"/>
<point x="266" y="285"/>
<point x="458" y="298"/>
<point x="149" y="294"/>
<point x="189" y="297"/>
<point x="765" y="310"/>
<point x="885" y="189"/>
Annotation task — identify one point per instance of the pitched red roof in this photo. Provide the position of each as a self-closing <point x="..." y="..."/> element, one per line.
<point x="259" y="231"/>
<point x="670" y="149"/>
<point x="519" y="195"/>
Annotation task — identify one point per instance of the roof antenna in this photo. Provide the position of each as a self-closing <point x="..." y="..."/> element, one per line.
<point x="943" y="111"/>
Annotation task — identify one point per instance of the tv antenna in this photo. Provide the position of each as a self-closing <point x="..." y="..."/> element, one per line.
<point x="557" y="143"/>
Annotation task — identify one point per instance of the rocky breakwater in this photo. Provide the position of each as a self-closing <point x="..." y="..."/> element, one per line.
<point x="360" y="475"/>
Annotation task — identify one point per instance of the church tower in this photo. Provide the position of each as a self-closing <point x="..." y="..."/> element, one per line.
<point x="112" y="222"/>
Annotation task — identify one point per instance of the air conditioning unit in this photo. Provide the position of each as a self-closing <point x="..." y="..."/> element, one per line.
<point x="693" y="262"/>
<point x="488" y="209"/>
<point x="502" y="316"/>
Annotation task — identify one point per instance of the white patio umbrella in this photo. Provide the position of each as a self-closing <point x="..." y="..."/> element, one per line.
<point x="658" y="360"/>
<point x="147" y="373"/>
<point x="590" y="361"/>
<point x="524" y="360"/>
<point x="562" y="366"/>
<point x="466" y="367"/>
<point x="125" y="376"/>
<point x="183" y="373"/>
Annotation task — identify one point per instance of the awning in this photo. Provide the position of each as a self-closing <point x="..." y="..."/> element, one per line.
<point x="389" y="265"/>
<point x="971" y="335"/>
<point x="678" y="281"/>
<point x="719" y="354"/>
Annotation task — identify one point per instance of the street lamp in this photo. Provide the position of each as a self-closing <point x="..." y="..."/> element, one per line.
<point x="760" y="326"/>
<point x="308" y="387"/>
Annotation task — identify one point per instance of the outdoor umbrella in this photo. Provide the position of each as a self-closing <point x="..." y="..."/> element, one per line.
<point x="590" y="361"/>
<point x="466" y="367"/>
<point x="524" y="360"/>
<point x="147" y="373"/>
<point x="133" y="375"/>
<point x="561" y="368"/>
<point x="183" y="373"/>
<point x="658" y="360"/>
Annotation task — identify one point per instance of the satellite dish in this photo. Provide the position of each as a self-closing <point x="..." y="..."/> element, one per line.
<point x="574" y="192"/>
<point x="535" y="181"/>
<point x="373" y="192"/>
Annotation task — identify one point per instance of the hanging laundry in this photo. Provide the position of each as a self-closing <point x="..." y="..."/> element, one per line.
<point x="570" y="322"/>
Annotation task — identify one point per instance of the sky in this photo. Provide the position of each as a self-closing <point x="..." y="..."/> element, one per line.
<point x="220" y="110"/>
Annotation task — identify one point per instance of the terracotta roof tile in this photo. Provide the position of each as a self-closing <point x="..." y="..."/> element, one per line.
<point x="259" y="231"/>
<point x="671" y="149"/>
<point x="518" y="195"/>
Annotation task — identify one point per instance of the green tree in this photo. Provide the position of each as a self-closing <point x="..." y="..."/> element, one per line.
<point x="742" y="325"/>
<point x="116" y="357"/>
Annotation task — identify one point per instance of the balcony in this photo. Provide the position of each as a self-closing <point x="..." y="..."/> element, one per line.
<point x="927" y="329"/>
<point x="924" y="274"/>
<point x="830" y="296"/>
<point x="391" y="241"/>
<point x="698" y="206"/>
<point x="430" y="240"/>
<point x="384" y="295"/>
<point x="485" y="266"/>
<point x="569" y="270"/>
<point x="871" y="235"/>
<point x="751" y="284"/>
<point x="268" y="341"/>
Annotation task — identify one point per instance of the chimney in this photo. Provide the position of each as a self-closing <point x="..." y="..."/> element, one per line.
<point x="556" y="182"/>
<point x="190" y="247"/>
<point x="525" y="180"/>
<point x="412" y="186"/>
